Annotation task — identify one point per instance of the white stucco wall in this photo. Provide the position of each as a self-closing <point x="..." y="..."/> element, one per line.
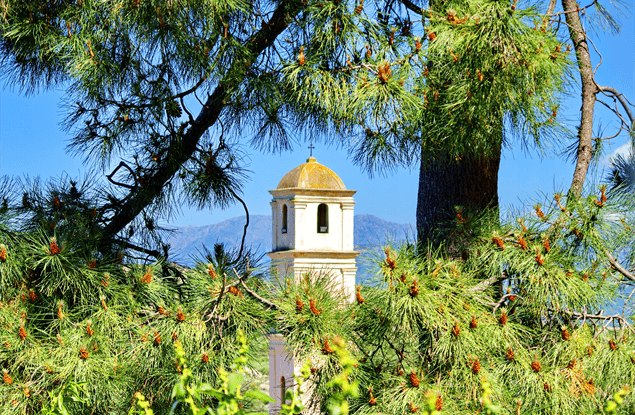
<point x="280" y="364"/>
<point x="302" y="249"/>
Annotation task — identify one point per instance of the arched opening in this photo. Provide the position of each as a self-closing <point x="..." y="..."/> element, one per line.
<point x="284" y="218"/>
<point x="283" y="390"/>
<point x="323" y="218"/>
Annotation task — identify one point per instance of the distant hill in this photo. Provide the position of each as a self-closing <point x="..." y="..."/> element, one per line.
<point x="187" y="241"/>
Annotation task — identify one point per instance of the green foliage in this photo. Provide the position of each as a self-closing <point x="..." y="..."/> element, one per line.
<point x="343" y="389"/>
<point x="228" y="397"/>
<point x="72" y="392"/>
<point x="514" y="310"/>
<point x="516" y="304"/>
<point x="66" y="317"/>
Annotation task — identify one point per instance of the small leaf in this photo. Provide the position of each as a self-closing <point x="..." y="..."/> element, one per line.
<point x="178" y="392"/>
<point x="260" y="396"/>
<point x="234" y="381"/>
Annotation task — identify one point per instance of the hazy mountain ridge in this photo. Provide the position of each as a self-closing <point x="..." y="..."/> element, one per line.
<point x="189" y="240"/>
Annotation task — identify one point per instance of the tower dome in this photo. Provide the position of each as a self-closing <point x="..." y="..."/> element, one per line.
<point x="311" y="175"/>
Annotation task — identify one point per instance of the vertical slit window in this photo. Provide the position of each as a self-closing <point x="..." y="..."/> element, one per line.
<point x="283" y="390"/>
<point x="284" y="218"/>
<point x="323" y="218"/>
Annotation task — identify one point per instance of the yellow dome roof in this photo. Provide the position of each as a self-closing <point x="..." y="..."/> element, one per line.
<point x="311" y="175"/>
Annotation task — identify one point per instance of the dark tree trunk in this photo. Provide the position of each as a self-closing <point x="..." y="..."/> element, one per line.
<point x="445" y="184"/>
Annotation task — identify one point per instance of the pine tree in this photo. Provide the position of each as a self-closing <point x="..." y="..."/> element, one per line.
<point x="437" y="323"/>
<point x="77" y="306"/>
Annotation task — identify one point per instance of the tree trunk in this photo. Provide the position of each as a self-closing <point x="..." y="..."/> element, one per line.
<point x="445" y="184"/>
<point x="589" y="90"/>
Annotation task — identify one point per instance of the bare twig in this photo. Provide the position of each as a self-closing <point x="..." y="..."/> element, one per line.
<point x="619" y="267"/>
<point x="502" y="300"/>
<point x="127" y="186"/>
<point x="620" y="97"/>
<point x="254" y="294"/>
<point x="412" y="7"/>
<point x="218" y="299"/>
<point x="150" y="252"/>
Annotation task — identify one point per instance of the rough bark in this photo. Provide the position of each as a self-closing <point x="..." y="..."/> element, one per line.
<point x="447" y="183"/>
<point x="589" y="91"/>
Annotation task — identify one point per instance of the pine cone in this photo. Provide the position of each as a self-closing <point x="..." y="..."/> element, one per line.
<point x="522" y="243"/>
<point x="205" y="358"/>
<point x="456" y="330"/>
<point x="236" y="291"/>
<point x="414" y="380"/>
<point x="503" y="319"/>
<point x="612" y="345"/>
<point x="510" y="354"/>
<point x="414" y="289"/>
<point x="565" y="335"/>
<point x="3" y="253"/>
<point x="327" y="348"/>
<point x="360" y="299"/>
<point x="299" y="304"/>
<point x="389" y="261"/>
<point x="211" y="271"/>
<point x="147" y="277"/>
<point x="157" y="338"/>
<point x="180" y="316"/>
<point x="7" y="379"/>
<point x="83" y="353"/>
<point x="372" y="400"/>
<point x="54" y="249"/>
<point x="546" y="245"/>
<point x="313" y="308"/>
<point x="438" y="405"/>
<point x="89" y="330"/>
<point x="547" y="387"/>
<point x="476" y="367"/>
<point x="535" y="366"/>
<point x="499" y="242"/>
<point x="22" y="333"/>
<point x="473" y="323"/>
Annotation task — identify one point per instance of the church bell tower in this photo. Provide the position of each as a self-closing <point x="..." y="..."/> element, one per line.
<point x="312" y="232"/>
<point x="312" y="229"/>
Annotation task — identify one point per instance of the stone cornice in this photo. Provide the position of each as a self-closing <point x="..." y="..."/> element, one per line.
<point x="312" y="192"/>
<point x="293" y="253"/>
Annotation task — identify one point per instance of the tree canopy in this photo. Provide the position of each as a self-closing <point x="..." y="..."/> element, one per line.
<point x="160" y="95"/>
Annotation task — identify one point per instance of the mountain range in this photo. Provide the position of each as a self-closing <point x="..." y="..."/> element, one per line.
<point x="187" y="242"/>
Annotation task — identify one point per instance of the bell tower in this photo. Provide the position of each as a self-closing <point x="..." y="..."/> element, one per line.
<point x="312" y="232"/>
<point x="312" y="224"/>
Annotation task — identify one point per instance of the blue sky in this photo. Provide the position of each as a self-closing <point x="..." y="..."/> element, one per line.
<point x="31" y="142"/>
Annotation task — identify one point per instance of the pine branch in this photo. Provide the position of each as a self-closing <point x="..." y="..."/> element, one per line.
<point x="253" y="294"/>
<point x="620" y="97"/>
<point x="412" y="7"/>
<point x="616" y="264"/>
<point x="182" y="150"/>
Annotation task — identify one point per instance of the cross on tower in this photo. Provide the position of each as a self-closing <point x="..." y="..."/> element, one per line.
<point x="311" y="148"/>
